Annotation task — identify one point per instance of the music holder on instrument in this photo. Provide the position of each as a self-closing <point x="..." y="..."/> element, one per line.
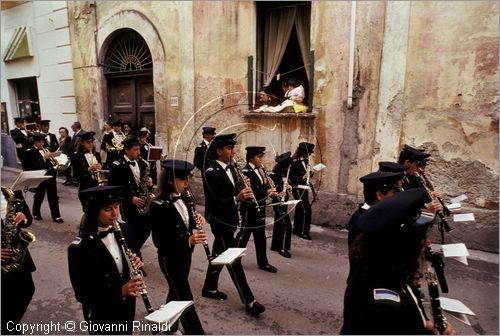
<point x="229" y="256"/>
<point x="29" y="179"/>
<point x="154" y="153"/>
<point x="168" y="314"/>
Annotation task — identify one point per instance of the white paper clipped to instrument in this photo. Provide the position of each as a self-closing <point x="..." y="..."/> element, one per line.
<point x="319" y="167"/>
<point x="229" y="255"/>
<point x="456" y="308"/>
<point x="291" y="202"/>
<point x="456" y="251"/>
<point x="169" y="312"/>
<point x="29" y="179"/>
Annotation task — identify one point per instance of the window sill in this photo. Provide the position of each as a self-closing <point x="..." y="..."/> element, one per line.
<point x="269" y="115"/>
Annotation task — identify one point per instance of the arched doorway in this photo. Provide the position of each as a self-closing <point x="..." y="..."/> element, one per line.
<point x="128" y="68"/>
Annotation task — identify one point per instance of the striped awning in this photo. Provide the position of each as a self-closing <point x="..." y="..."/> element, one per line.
<point x="19" y="45"/>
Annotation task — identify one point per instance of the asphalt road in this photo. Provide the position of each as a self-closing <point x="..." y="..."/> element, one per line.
<point x="304" y="297"/>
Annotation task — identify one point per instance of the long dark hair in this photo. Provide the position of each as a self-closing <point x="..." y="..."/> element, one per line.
<point x="88" y="225"/>
<point x="164" y="187"/>
<point x="299" y="152"/>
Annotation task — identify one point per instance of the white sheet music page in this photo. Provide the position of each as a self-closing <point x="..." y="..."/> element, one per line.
<point x="169" y="312"/>
<point x="319" y="167"/>
<point x="456" y="251"/>
<point x="458" y="199"/>
<point x="228" y="256"/>
<point x="457" y="309"/>
<point x="467" y="217"/>
<point x="29" y="179"/>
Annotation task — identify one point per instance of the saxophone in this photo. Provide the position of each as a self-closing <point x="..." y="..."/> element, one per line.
<point x="144" y="193"/>
<point x="12" y="237"/>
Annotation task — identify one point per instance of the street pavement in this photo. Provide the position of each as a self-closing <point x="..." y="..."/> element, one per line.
<point x="304" y="297"/>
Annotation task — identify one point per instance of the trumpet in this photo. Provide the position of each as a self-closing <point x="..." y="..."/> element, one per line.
<point x="242" y="184"/>
<point x="188" y="198"/>
<point x="53" y="162"/>
<point x="96" y="174"/>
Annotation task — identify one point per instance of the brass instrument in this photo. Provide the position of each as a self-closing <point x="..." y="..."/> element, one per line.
<point x="307" y="175"/>
<point x="12" y="236"/>
<point x="145" y="194"/>
<point x="437" y="312"/>
<point x="116" y="142"/>
<point x="96" y="174"/>
<point x="242" y="184"/>
<point x="127" y="252"/>
<point x="53" y="161"/>
<point x="188" y="198"/>
<point x="286" y="186"/>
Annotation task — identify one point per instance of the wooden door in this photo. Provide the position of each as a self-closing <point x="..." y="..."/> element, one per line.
<point x="132" y="99"/>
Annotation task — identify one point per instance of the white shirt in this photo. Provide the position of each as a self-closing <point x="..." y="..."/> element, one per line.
<point x="88" y="157"/>
<point x="295" y="93"/>
<point x="112" y="245"/>
<point x="135" y="170"/>
<point x="206" y="142"/>
<point x="182" y="209"/>
<point x="3" y="207"/>
<point x="365" y="206"/>
<point x="257" y="172"/>
<point x="228" y="171"/>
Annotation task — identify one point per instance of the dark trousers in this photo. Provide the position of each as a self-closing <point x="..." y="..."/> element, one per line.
<point x="17" y="291"/>
<point x="140" y="227"/>
<point x="67" y="174"/>
<point x="179" y="290"/>
<point x="302" y="218"/>
<point x="254" y="224"/>
<point x="222" y="242"/>
<point x="282" y="230"/>
<point x="51" y="188"/>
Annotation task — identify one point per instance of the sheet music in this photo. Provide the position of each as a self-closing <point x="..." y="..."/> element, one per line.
<point x="169" y="312"/>
<point x="456" y="251"/>
<point x="291" y="202"/>
<point x="319" y="167"/>
<point x="228" y="256"/>
<point x="456" y="309"/>
<point x="467" y="217"/>
<point x="29" y="179"/>
<point x="154" y="153"/>
<point x="458" y="199"/>
<point x="454" y="206"/>
<point x="305" y="187"/>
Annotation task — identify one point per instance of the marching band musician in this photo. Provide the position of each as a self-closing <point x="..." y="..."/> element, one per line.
<point x="51" y="142"/>
<point x="222" y="199"/>
<point x="145" y="145"/>
<point x="20" y="137"/>
<point x="253" y="218"/>
<point x="388" y="251"/>
<point x="112" y="147"/>
<point x="201" y="159"/>
<point x="37" y="158"/>
<point x="98" y="269"/>
<point x="282" y="230"/>
<point x="130" y="172"/>
<point x="300" y="173"/>
<point x="17" y="287"/>
<point x="173" y="235"/>
<point x="86" y="163"/>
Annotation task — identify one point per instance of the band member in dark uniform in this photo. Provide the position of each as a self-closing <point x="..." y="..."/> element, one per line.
<point x="112" y="143"/>
<point x="51" y="142"/>
<point x="282" y="229"/>
<point x="20" y="137"/>
<point x="379" y="298"/>
<point x="17" y="286"/>
<point x="144" y="134"/>
<point x="98" y="269"/>
<point x="222" y="199"/>
<point x="37" y="158"/>
<point x="201" y="159"/>
<point x="253" y="212"/>
<point x="130" y="172"/>
<point x="300" y="172"/>
<point x="376" y="187"/>
<point x="87" y="163"/>
<point x="67" y="149"/>
<point x="173" y="235"/>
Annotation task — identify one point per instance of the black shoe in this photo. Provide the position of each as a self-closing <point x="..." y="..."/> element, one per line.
<point x="67" y="183"/>
<point x="305" y="236"/>
<point x="285" y="254"/>
<point x="217" y="295"/>
<point x="37" y="217"/>
<point x="255" y="308"/>
<point x="269" y="268"/>
<point x="58" y="220"/>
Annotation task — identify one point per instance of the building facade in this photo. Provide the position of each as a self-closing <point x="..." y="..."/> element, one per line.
<point x="377" y="75"/>
<point x="36" y="68"/>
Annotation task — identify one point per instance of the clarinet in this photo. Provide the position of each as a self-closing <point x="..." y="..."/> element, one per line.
<point x="437" y="312"/>
<point x="187" y="197"/>
<point x="134" y="271"/>
<point x="242" y="184"/>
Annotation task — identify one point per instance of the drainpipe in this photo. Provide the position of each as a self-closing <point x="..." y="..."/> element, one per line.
<point x="352" y="40"/>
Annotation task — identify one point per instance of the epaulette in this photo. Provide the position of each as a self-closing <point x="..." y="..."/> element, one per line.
<point x="199" y="146"/>
<point x="158" y="201"/>
<point x="29" y="149"/>
<point x="117" y="163"/>
<point x="385" y="294"/>
<point x="209" y="169"/>
<point x="245" y="170"/>
<point x="76" y="241"/>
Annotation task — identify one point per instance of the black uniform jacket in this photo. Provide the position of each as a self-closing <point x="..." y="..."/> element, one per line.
<point x="96" y="281"/>
<point x="120" y="174"/>
<point x="259" y="188"/>
<point x="279" y="184"/>
<point x="171" y="235"/>
<point x="19" y="138"/>
<point x="220" y="200"/>
<point x="54" y="143"/>
<point x="372" y="308"/>
<point x="200" y="161"/>
<point x="34" y="161"/>
<point x="81" y="172"/>
<point x="297" y="172"/>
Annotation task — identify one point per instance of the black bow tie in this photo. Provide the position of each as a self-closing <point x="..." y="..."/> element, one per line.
<point x="228" y="167"/>
<point x="102" y="234"/>
<point x="132" y="163"/>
